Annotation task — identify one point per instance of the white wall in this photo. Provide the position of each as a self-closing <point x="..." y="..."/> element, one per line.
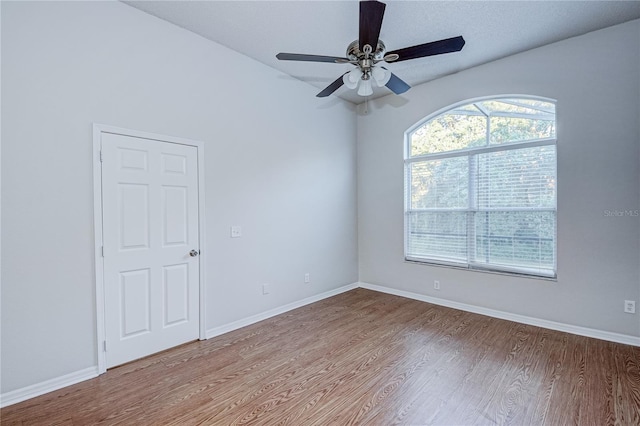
<point x="279" y="162"/>
<point x="596" y="81"/>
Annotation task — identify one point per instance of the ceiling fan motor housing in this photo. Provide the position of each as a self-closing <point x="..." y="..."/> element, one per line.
<point x="365" y="60"/>
<point x="355" y="54"/>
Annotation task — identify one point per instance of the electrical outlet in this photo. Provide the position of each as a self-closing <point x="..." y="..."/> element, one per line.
<point x="630" y="306"/>
<point x="436" y="284"/>
<point x="265" y="288"/>
<point x="236" y="231"/>
<point x="307" y="278"/>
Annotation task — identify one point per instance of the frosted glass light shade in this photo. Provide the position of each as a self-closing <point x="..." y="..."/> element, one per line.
<point x="365" y="89"/>
<point x="351" y="78"/>
<point x="355" y="75"/>
<point x="381" y="76"/>
<point x="347" y="82"/>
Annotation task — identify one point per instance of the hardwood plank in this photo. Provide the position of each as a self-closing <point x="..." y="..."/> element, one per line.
<point x="552" y="357"/>
<point x="361" y="358"/>
<point x="626" y="392"/>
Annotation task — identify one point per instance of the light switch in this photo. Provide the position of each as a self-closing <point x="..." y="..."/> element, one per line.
<point x="236" y="231"/>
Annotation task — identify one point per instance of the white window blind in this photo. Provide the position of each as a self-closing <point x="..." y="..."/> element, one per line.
<point x="480" y="189"/>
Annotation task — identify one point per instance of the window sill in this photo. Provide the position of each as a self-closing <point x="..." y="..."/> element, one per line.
<point x="485" y="271"/>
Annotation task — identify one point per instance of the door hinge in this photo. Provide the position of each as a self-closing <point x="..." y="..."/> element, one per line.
<point x="104" y="345"/>
<point x="101" y="156"/>
<point x="102" y="250"/>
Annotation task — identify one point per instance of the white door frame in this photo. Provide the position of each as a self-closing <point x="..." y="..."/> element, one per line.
<point x="98" y="129"/>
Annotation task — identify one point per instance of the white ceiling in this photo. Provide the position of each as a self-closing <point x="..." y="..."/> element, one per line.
<point x="492" y="30"/>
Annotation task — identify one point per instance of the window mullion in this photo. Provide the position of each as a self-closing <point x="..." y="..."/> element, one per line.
<point x="484" y="150"/>
<point x="473" y="206"/>
<point x="408" y="204"/>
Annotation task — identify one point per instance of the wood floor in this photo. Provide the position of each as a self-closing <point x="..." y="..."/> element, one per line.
<point x="362" y="358"/>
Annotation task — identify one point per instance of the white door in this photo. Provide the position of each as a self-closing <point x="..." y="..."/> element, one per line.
<point x="150" y="237"/>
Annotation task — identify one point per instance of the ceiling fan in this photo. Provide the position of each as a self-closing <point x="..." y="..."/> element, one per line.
<point x="369" y="51"/>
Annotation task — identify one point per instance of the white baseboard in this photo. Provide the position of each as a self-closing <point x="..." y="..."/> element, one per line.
<point x="217" y="331"/>
<point x="551" y="325"/>
<point x="51" y="385"/>
<point x="28" y="392"/>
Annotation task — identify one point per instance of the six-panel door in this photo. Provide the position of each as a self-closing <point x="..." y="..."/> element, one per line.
<point x="150" y="226"/>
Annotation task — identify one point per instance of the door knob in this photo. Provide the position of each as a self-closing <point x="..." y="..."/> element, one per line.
<point x="194" y="253"/>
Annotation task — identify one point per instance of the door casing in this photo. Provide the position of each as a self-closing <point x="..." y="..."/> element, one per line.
<point x="98" y="130"/>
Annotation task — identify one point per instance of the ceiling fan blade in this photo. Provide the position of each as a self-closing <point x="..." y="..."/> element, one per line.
<point x="371" y="14"/>
<point x="396" y="85"/>
<point x="310" y="58"/>
<point x="332" y="87"/>
<point x="439" y="47"/>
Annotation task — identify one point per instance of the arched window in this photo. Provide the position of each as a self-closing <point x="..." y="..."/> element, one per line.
<point x="480" y="186"/>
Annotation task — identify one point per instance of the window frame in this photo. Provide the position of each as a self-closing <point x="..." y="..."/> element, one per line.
<point x="471" y="205"/>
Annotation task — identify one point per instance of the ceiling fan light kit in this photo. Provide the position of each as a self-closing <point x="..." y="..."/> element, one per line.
<point x="367" y="60"/>
<point x="356" y="78"/>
